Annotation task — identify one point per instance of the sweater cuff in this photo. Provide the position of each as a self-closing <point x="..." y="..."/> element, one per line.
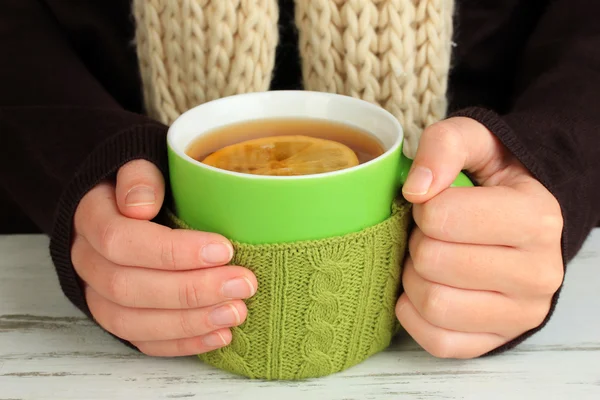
<point x="146" y="141"/>
<point x="508" y="137"/>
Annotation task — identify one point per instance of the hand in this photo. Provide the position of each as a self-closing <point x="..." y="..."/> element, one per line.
<point x="484" y="262"/>
<point x="165" y="291"/>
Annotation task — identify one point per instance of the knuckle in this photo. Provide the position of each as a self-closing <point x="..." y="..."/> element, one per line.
<point x="107" y="315"/>
<point x="549" y="280"/>
<point x="190" y="295"/>
<point x="137" y="169"/>
<point x="426" y="257"/>
<point x="435" y="304"/>
<point x="433" y="218"/>
<point x="109" y="235"/>
<point x="84" y="219"/>
<point x="181" y="346"/>
<point x="547" y="224"/>
<point x="118" y="286"/>
<point x="186" y="325"/>
<point x="117" y="324"/>
<point x="446" y="132"/>
<point x="549" y="229"/>
<point x="401" y="305"/>
<point x="537" y="315"/>
<point x="167" y="253"/>
<point x="442" y="346"/>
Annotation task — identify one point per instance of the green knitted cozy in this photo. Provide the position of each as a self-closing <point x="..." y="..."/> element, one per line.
<point x="322" y="306"/>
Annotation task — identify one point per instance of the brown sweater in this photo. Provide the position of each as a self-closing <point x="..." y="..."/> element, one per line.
<point x="71" y="107"/>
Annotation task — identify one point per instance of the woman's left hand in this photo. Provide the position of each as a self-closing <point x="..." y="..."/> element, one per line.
<point x="484" y="262"/>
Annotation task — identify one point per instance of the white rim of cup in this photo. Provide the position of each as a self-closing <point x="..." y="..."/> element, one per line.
<point x="182" y="154"/>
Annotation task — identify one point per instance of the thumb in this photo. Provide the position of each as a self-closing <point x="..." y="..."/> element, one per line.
<point x="445" y="149"/>
<point x="140" y="190"/>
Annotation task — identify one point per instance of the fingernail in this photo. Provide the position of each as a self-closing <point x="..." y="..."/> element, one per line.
<point x="215" y="253"/>
<point x="225" y="316"/>
<point x="239" y="288"/>
<point x="140" y="196"/>
<point x="418" y="181"/>
<point x="214" y="339"/>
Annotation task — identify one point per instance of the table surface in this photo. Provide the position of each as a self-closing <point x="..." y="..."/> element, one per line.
<point x="48" y="350"/>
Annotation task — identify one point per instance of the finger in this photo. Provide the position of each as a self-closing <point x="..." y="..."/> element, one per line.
<point x="185" y="347"/>
<point x="446" y="148"/>
<point x="496" y="215"/>
<point x="470" y="310"/>
<point x="140" y="190"/>
<point x="146" y="288"/>
<point x="440" y="342"/>
<point x="135" y="324"/>
<point x="132" y="242"/>
<point x="482" y="267"/>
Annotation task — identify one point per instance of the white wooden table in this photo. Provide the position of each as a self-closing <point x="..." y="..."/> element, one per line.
<point x="49" y="351"/>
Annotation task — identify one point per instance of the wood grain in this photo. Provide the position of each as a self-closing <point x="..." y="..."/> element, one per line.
<point x="48" y="350"/>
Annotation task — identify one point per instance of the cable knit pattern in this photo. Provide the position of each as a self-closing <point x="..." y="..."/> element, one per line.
<point x="321" y="306"/>
<point x="194" y="51"/>
<point x="323" y="313"/>
<point x="394" y="53"/>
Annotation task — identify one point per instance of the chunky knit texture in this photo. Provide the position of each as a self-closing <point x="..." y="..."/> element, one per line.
<point x="321" y="306"/>
<point x="194" y="51"/>
<point x="394" y="53"/>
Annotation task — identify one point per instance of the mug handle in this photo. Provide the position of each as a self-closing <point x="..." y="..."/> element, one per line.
<point x="462" y="180"/>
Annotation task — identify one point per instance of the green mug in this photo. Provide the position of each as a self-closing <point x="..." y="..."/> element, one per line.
<point x="251" y="208"/>
<point x="326" y="249"/>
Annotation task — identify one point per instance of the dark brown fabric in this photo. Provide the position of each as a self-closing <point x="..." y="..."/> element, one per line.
<point x="71" y="107"/>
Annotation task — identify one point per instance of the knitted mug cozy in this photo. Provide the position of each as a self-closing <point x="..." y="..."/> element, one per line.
<point x="394" y="53"/>
<point x="321" y="306"/>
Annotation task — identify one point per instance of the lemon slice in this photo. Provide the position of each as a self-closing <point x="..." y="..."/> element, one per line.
<point x="284" y="156"/>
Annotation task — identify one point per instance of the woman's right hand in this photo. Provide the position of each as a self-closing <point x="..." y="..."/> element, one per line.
<point x="166" y="291"/>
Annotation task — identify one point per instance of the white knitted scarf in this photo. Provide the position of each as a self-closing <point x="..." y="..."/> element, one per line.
<point x="394" y="53"/>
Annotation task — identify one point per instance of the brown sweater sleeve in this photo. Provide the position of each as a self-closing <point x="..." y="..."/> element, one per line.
<point x="61" y="133"/>
<point x="553" y="124"/>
